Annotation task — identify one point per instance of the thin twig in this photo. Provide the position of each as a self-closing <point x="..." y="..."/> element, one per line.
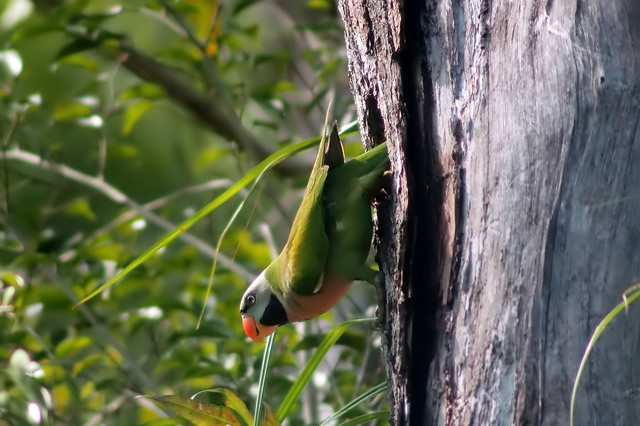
<point x="30" y="159"/>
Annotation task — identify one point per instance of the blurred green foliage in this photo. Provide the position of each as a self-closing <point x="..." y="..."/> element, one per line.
<point x="99" y="161"/>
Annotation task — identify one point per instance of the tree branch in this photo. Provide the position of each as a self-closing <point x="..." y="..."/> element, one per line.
<point x="217" y="115"/>
<point x="114" y="194"/>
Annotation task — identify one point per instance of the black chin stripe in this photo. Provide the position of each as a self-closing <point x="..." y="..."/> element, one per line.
<point x="274" y="313"/>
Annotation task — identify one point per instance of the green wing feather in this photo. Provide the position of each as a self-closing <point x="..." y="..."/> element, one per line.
<point x="300" y="266"/>
<point x="348" y="191"/>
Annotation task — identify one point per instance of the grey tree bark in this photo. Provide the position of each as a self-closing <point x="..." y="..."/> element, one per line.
<point x="514" y="222"/>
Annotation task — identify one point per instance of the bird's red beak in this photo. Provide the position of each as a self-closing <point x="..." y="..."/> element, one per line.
<point x="256" y="331"/>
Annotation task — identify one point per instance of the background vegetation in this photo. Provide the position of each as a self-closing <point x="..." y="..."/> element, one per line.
<point x="118" y="121"/>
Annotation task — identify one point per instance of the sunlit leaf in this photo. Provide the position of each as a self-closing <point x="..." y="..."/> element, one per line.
<point x="80" y="60"/>
<point x="197" y="412"/>
<point x="133" y="113"/>
<point x="11" y="279"/>
<point x="210" y="156"/>
<point x="124" y="150"/>
<point x="142" y="90"/>
<point x="89" y="361"/>
<point x="81" y="207"/>
<point x="72" y="346"/>
<point x="71" y="110"/>
<point x="62" y="397"/>
<point x="319" y="4"/>
<point x="229" y="399"/>
<point x="106" y="251"/>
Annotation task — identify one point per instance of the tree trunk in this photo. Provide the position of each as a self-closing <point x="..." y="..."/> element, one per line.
<point x="514" y="223"/>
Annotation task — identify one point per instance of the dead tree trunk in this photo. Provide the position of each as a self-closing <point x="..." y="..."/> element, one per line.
<point x="514" y="224"/>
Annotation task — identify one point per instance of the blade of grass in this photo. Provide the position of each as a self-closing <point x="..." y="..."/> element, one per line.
<point x="378" y="415"/>
<point x="222" y="235"/>
<point x="377" y="389"/>
<point x="329" y="340"/>
<point x="628" y="299"/>
<point x="264" y="374"/>
<point x="253" y="174"/>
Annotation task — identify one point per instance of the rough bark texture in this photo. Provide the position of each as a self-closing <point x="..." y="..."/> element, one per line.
<point x="514" y="223"/>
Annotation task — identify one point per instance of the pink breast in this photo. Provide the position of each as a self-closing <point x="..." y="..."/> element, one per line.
<point x="307" y="307"/>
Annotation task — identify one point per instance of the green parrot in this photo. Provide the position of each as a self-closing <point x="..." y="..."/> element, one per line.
<point x="328" y="244"/>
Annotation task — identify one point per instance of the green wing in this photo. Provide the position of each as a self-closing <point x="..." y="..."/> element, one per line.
<point x="301" y="264"/>
<point x="348" y="191"/>
<point x="305" y="254"/>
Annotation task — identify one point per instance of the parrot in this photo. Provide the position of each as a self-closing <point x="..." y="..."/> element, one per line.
<point x="328" y="244"/>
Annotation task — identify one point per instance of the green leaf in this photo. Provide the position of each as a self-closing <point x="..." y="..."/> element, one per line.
<point x="376" y="390"/>
<point x="106" y="251"/>
<point x="313" y="363"/>
<point x="72" y="346"/>
<point x="232" y="401"/>
<point x="319" y="5"/>
<point x="11" y="278"/>
<point x="71" y="110"/>
<point x="210" y="156"/>
<point x="87" y="362"/>
<point x="80" y="60"/>
<point x="81" y="207"/>
<point x="197" y="412"/>
<point x="629" y="297"/>
<point x="133" y="113"/>
<point x="236" y="404"/>
<point x="142" y="90"/>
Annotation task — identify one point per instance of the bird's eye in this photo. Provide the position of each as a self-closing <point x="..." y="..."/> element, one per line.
<point x="251" y="299"/>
